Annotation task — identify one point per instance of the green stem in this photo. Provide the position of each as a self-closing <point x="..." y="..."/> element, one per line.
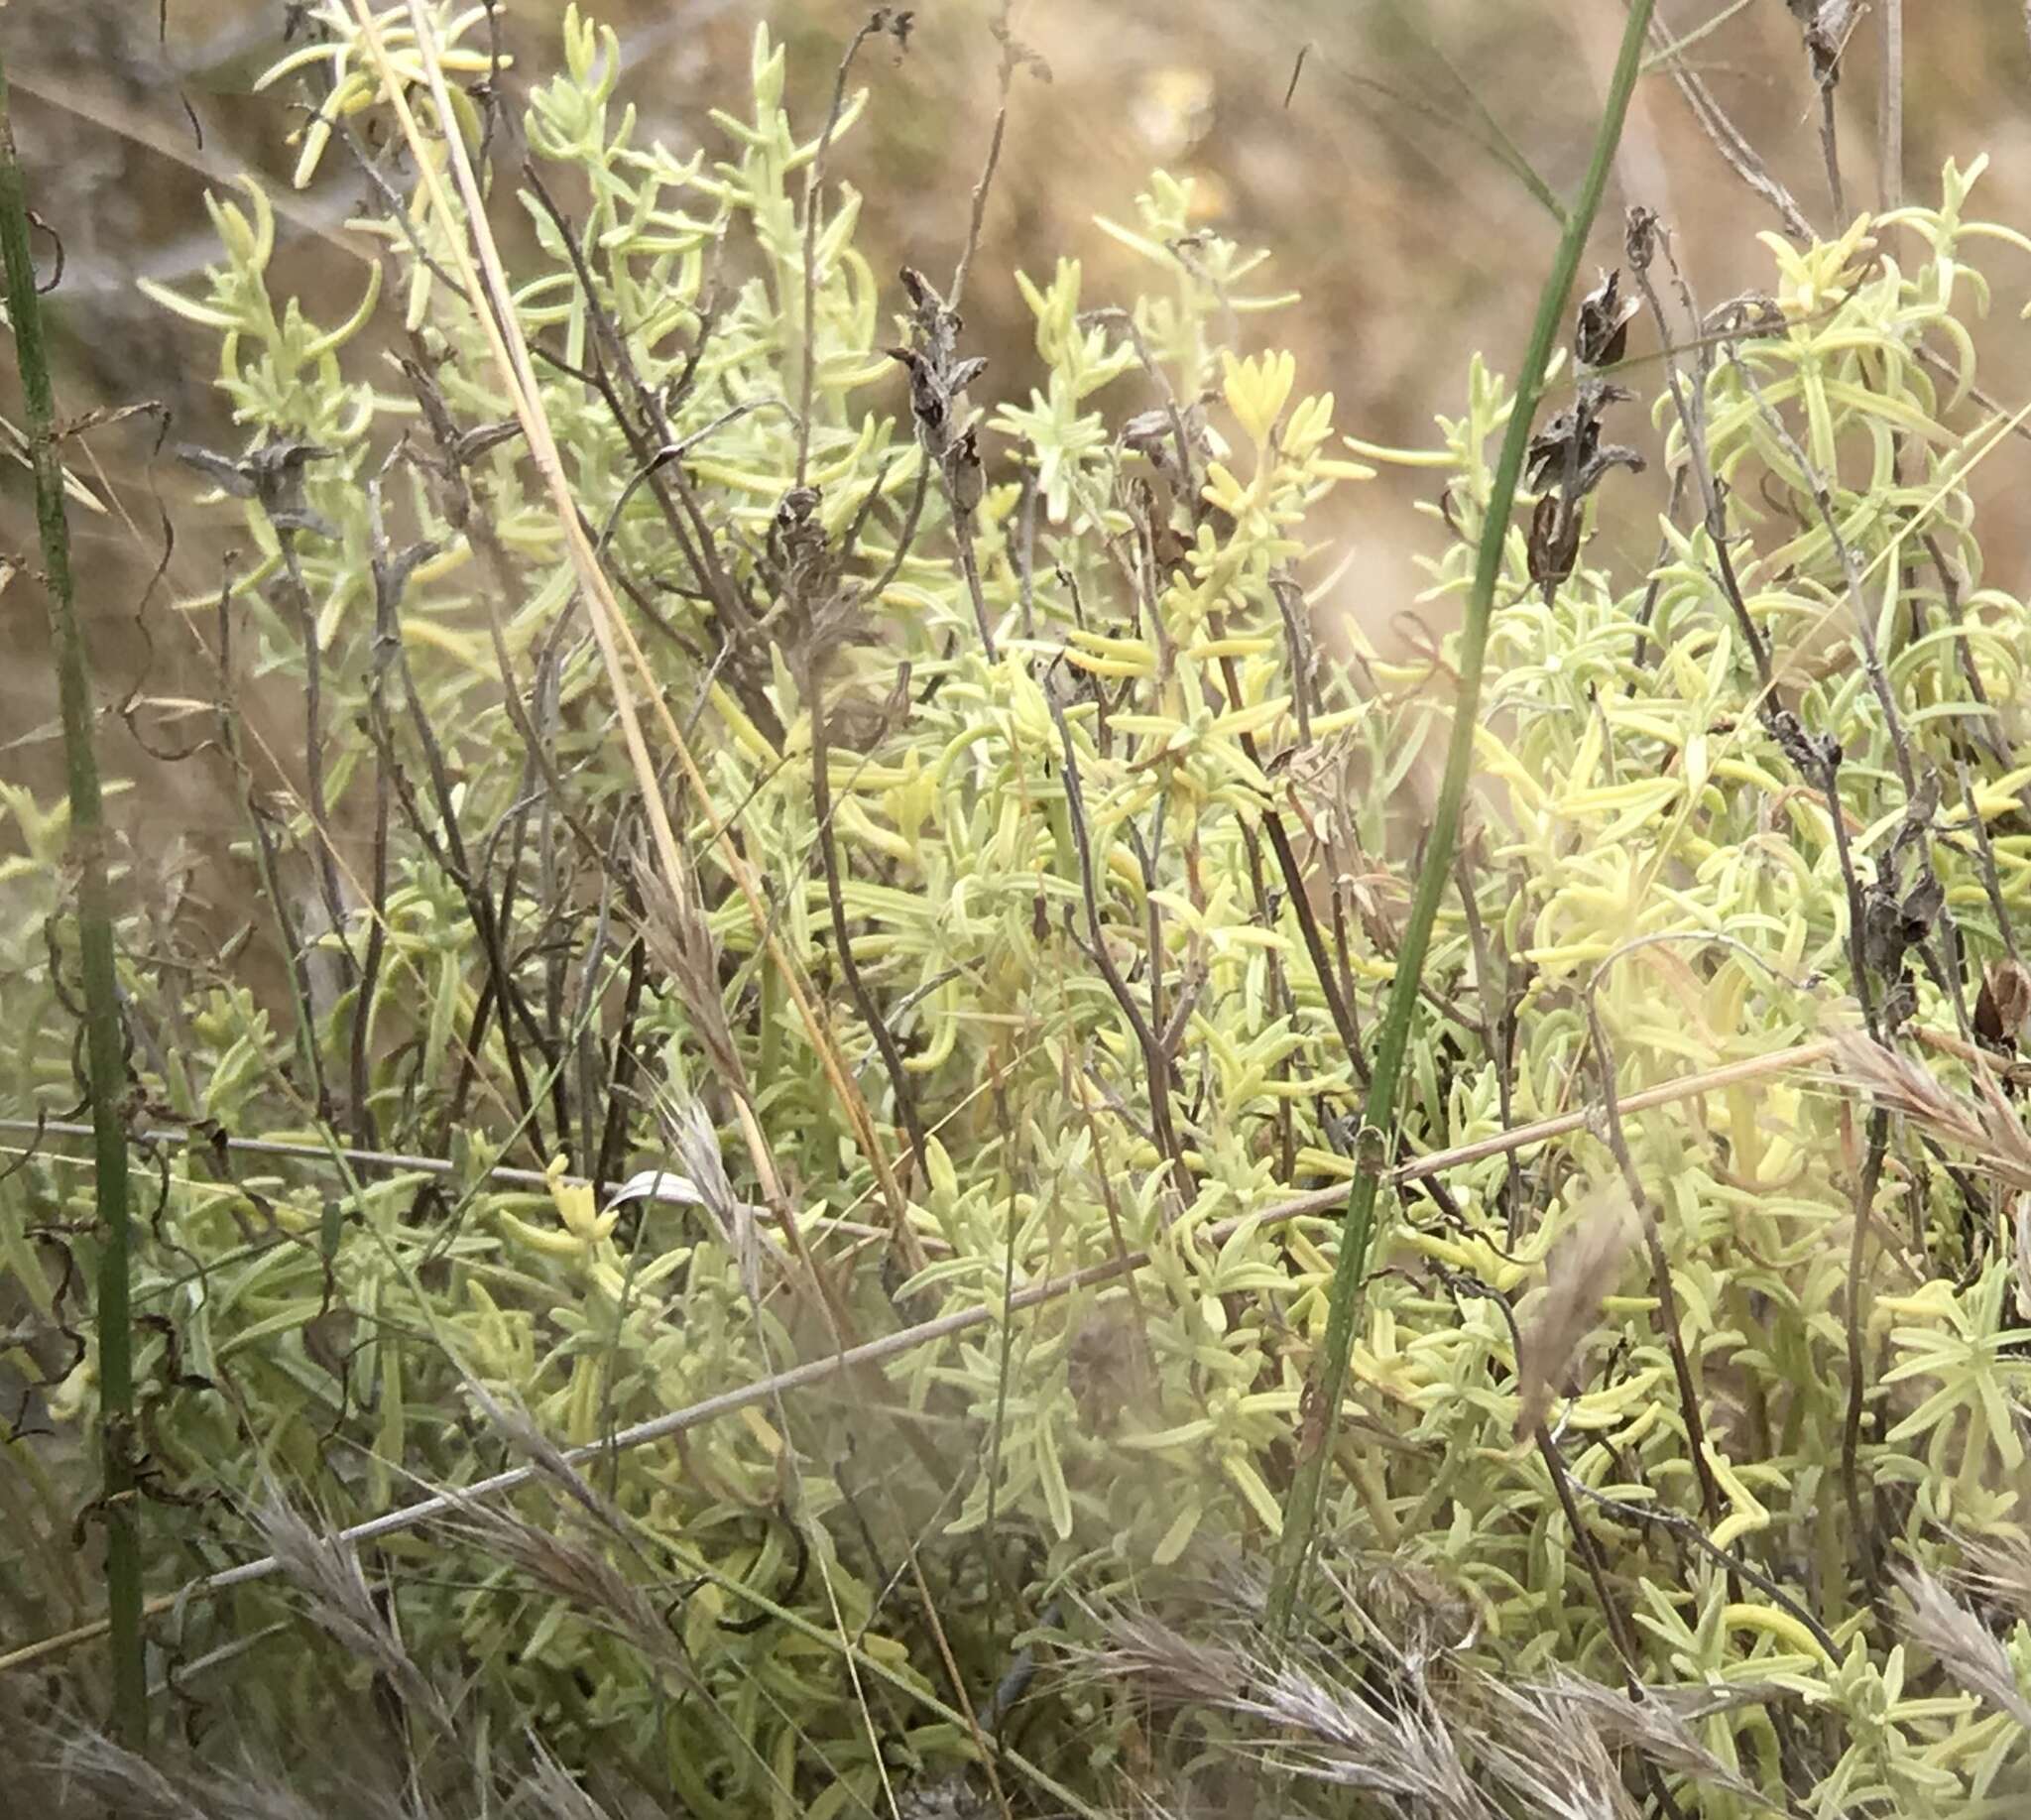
<point x="104" y="1047"/>
<point x="1359" y="1235"/>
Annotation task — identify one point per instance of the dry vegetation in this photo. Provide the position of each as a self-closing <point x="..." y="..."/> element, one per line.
<point x="822" y="1118"/>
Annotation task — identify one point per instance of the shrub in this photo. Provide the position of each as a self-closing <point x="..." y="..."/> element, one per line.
<point x="1033" y="865"/>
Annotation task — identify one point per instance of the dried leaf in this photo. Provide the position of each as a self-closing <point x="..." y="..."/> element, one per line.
<point x="1582" y="1271"/>
<point x="2003" y="1006"/>
<point x="1602" y="336"/>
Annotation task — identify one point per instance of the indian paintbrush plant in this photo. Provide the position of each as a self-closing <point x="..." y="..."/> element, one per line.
<point x="835" y="906"/>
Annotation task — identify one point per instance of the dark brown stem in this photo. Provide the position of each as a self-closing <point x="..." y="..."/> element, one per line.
<point x="1156" y="1062"/>
<point x="1829" y="150"/>
<point x="1660" y="1265"/>
<point x="842" y="938"/>
<point x="1864" y="623"/>
<point x="621" y="1073"/>
<point x="323" y="852"/>
<point x="815" y="183"/>
<point x="1300" y="900"/>
<point x="449" y="854"/>
<point x="366" y="1134"/>
<point x="1493" y="1024"/>
<point x="1992" y="881"/>
<point x="1618" y="1630"/>
<point x="977" y="214"/>
<point x="1727" y="1558"/>
<point x="1860" y="1520"/>
<point x="1655" y="584"/>
<point x="1692" y="418"/>
<point x="1858" y="911"/>
<point x="1590" y="1553"/>
<point x="309" y="1050"/>
<point x="969" y="564"/>
<point x="648" y="431"/>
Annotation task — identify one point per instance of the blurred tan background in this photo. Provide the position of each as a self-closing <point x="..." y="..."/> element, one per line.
<point x="1380" y="186"/>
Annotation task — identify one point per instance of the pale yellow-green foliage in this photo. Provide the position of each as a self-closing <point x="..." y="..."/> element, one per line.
<point x="1640" y="835"/>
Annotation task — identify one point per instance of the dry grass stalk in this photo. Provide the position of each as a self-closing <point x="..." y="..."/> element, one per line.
<point x="1335" y="1731"/>
<point x="519" y="1429"/>
<point x="327" y="1570"/>
<point x="1986" y="1126"/>
<point x="924" y="1333"/>
<point x="1938" y="1622"/>
<point x="91" y="1768"/>
<point x="551" y="1793"/>
<point x="78" y="1773"/>
<point x="1577" y="1780"/>
<point x="1727" y="139"/>
<point x="590" y="1584"/>
<point x="1464" y="1747"/>
<point x="696" y="1146"/>
<point x="680" y="943"/>
<point x="2000" y="1568"/>
<point x="1658" y="1726"/>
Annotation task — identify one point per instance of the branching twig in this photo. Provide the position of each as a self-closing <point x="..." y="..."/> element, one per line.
<point x="977" y="215"/>
<point x="1646" y="235"/>
<point x="1729" y="1559"/>
<point x="1865" y="624"/>
<point x="1740" y="156"/>
<point x="888" y="1346"/>
<point x="1294" y="884"/>
<point x="324" y="856"/>
<point x="1554" y="1463"/>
